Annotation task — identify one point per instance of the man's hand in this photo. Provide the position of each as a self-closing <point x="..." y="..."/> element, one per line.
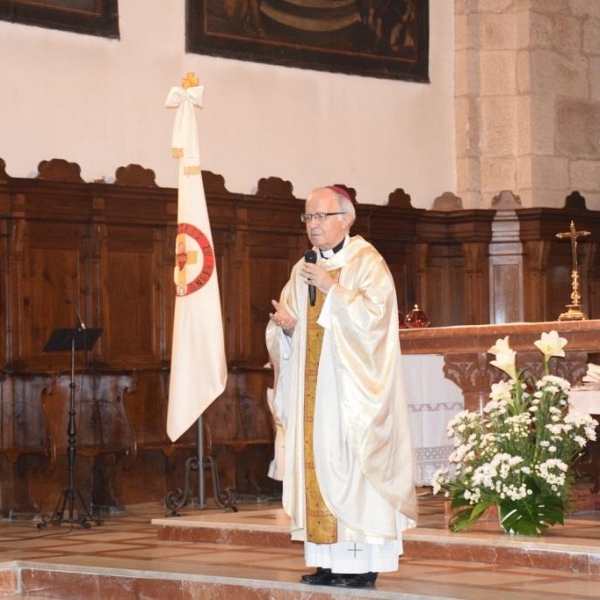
<point x="317" y="276"/>
<point x="282" y="318"/>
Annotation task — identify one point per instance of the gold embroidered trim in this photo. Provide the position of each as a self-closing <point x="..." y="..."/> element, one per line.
<point x="321" y="524"/>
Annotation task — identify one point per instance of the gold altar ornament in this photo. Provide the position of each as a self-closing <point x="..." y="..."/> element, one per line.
<point x="574" y="312"/>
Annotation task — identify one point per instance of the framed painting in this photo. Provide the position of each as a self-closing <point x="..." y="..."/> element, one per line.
<point x="376" y="38"/>
<point x="92" y="17"/>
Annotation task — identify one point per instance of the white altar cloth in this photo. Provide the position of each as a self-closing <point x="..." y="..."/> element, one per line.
<point x="585" y="400"/>
<point x="432" y="402"/>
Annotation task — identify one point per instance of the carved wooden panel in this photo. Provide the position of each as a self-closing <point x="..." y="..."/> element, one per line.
<point x="444" y="279"/>
<point x="101" y="423"/>
<point x="506" y="278"/>
<point x="5" y="269"/>
<point x="241" y="431"/>
<point x="50" y="282"/>
<point x="273" y="257"/>
<point x="131" y="296"/>
<point x="23" y="428"/>
<point x="146" y="403"/>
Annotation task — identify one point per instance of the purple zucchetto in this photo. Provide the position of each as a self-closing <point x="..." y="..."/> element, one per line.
<point x="339" y="190"/>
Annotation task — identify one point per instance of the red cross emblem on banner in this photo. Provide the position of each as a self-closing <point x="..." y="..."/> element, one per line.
<point x="194" y="260"/>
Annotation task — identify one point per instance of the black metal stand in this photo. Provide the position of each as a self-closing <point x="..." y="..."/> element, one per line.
<point x="178" y="498"/>
<point x="61" y="340"/>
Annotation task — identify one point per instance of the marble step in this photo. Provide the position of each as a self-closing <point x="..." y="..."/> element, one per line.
<point x="574" y="547"/>
<point x="94" y="582"/>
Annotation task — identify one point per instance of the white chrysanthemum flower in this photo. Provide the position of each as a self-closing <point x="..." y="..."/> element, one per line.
<point x="556" y="382"/>
<point x="473" y="496"/>
<point x="440" y="477"/>
<point x="458" y="421"/>
<point x="553" y="471"/>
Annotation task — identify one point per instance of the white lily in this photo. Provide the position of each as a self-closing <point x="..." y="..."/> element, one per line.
<point x="501" y="345"/>
<point x="551" y="344"/>
<point x="505" y="357"/>
<point x="502" y="391"/>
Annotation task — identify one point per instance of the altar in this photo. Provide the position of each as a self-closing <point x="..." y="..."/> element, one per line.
<point x="466" y="361"/>
<point x="447" y="369"/>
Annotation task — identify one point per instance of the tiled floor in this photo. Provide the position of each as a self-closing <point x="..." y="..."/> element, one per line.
<point x="127" y="545"/>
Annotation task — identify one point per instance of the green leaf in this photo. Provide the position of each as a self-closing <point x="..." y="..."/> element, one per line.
<point x="531" y="515"/>
<point x="461" y="520"/>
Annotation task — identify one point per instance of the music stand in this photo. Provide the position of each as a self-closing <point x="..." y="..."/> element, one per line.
<point x="62" y="340"/>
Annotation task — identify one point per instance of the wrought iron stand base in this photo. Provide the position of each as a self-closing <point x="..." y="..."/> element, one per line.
<point x="68" y="499"/>
<point x="179" y="498"/>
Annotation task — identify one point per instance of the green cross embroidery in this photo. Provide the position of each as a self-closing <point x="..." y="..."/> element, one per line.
<point x="355" y="549"/>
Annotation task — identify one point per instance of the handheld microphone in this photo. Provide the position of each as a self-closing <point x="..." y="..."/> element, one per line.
<point x="310" y="256"/>
<point x="80" y="324"/>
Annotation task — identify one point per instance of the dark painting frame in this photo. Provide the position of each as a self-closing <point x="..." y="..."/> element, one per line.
<point x="91" y="17"/>
<point x="376" y="38"/>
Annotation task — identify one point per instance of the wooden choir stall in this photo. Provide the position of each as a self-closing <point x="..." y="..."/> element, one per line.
<point x="106" y="251"/>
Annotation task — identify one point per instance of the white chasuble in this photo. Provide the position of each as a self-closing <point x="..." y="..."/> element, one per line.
<point x="362" y="451"/>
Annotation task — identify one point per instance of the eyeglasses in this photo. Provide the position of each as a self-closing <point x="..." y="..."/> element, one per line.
<point x="319" y="217"/>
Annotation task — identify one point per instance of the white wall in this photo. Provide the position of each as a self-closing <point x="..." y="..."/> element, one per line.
<point x="100" y="103"/>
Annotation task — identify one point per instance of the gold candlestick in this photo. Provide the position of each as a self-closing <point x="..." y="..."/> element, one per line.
<point x="574" y="312"/>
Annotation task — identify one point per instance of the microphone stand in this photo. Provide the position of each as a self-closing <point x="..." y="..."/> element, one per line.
<point x="77" y="339"/>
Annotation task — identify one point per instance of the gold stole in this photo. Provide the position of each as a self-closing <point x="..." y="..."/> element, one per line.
<point x="321" y="525"/>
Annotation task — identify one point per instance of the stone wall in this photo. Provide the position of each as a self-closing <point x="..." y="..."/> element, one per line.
<point x="527" y="100"/>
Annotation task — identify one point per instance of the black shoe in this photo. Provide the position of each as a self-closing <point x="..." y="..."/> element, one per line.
<point x="361" y="580"/>
<point x="319" y="577"/>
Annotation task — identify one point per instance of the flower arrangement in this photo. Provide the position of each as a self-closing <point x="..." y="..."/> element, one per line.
<point x="516" y="454"/>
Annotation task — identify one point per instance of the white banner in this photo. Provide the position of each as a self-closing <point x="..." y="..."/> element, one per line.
<point x="198" y="364"/>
